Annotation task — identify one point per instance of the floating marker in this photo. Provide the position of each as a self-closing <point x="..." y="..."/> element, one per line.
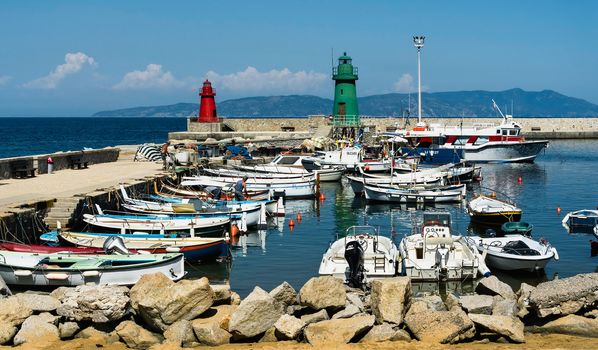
<point x="234" y="230"/>
<point x="519" y="179"/>
<point x="291" y="223"/>
<point x="298" y="218"/>
<point x="322" y="196"/>
<point x="558" y="210"/>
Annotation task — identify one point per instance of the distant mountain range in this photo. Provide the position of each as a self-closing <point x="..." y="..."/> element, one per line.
<point x="546" y="103"/>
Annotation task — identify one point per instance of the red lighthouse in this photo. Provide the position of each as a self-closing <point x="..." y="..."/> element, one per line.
<point x="207" y="105"/>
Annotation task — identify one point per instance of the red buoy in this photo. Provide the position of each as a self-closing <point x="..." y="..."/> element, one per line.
<point x="207" y="104"/>
<point x="322" y="196"/>
<point x="558" y="210"/>
<point x="519" y="179"/>
<point x="234" y="230"/>
<point x="298" y="218"/>
<point x="291" y="223"/>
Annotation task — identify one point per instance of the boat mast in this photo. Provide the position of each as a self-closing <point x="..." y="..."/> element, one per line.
<point x="418" y="42"/>
<point x="504" y="118"/>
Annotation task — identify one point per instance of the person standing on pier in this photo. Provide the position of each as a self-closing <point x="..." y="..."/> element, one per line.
<point x="241" y="189"/>
<point x="164" y="153"/>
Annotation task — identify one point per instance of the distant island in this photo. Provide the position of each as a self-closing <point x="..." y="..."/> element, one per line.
<point x="457" y="104"/>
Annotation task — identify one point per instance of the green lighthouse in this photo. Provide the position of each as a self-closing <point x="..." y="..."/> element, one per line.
<point x="345" y="112"/>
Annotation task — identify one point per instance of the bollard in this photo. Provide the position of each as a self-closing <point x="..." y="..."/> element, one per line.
<point x="50" y="165"/>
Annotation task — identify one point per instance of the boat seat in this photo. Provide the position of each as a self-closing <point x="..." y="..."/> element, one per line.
<point x="519" y="248"/>
<point x="439" y="240"/>
<point x="87" y="263"/>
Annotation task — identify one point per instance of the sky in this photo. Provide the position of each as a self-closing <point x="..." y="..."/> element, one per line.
<point x="74" y="58"/>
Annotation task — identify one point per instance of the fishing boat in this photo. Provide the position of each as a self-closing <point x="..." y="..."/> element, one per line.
<point x="585" y="220"/>
<point x="415" y="194"/>
<point x="435" y="254"/>
<point x="170" y="191"/>
<point x="193" y="248"/>
<point x="492" y="211"/>
<point x="360" y="256"/>
<point x="48" y="249"/>
<point x="479" y="142"/>
<point x="67" y="269"/>
<point x="290" y="190"/>
<point x="515" y="252"/>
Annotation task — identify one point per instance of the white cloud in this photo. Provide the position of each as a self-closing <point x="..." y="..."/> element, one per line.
<point x="74" y="63"/>
<point x="4" y="79"/>
<point x="152" y="77"/>
<point x="281" y="81"/>
<point x="404" y="84"/>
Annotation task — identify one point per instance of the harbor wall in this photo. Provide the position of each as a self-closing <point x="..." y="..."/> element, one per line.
<point x="95" y="156"/>
<point x="533" y="128"/>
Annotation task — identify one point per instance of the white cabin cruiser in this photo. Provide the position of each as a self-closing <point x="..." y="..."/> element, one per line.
<point x="437" y="255"/>
<point x="360" y="256"/>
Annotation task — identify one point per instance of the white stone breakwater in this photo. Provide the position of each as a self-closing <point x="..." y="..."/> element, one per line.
<point x="192" y="313"/>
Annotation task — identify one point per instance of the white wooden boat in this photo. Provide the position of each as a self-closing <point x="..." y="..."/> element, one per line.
<point x="415" y="194"/>
<point x="488" y="210"/>
<point x="581" y="220"/>
<point x="297" y="189"/>
<point x="435" y="254"/>
<point x="65" y="269"/>
<point x="515" y="252"/>
<point x="379" y="255"/>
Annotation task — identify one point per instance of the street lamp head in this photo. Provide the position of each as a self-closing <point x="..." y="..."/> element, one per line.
<point x="418" y="41"/>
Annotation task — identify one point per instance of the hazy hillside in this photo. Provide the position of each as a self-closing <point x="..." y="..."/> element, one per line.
<point x="546" y="103"/>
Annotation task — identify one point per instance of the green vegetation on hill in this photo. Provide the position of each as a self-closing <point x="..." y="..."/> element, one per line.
<point x="546" y="103"/>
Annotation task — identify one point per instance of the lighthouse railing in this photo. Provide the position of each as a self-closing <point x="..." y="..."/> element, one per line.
<point x="346" y="120"/>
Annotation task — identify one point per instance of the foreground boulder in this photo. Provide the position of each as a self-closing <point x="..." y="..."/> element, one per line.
<point x="288" y="327"/>
<point x="98" y="304"/>
<point x="135" y="336"/>
<point x="385" y="332"/>
<point x="565" y="296"/>
<point x="39" y="302"/>
<point x="324" y="292"/>
<point x="180" y="333"/>
<point x="477" y="304"/>
<point x="321" y="315"/>
<point x="211" y="334"/>
<point x="34" y="328"/>
<point x="571" y="325"/>
<point x="390" y="299"/>
<point x="508" y="326"/>
<point x="339" y="330"/>
<point x="4" y="290"/>
<point x="285" y="294"/>
<point x="67" y="329"/>
<point x="256" y="314"/>
<point x="440" y="326"/>
<point x="161" y="302"/>
<point x="12" y="314"/>
<point x="493" y="286"/>
<point x="220" y="315"/>
<point x="222" y="293"/>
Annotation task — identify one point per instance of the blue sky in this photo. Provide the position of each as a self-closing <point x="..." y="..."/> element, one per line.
<point x="73" y="58"/>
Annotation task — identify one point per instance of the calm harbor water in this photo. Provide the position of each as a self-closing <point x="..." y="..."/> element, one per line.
<point x="564" y="176"/>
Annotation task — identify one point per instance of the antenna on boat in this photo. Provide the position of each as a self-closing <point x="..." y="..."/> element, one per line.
<point x="498" y="110"/>
<point x="418" y="42"/>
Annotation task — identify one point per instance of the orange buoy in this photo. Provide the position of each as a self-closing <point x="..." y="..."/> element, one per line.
<point x="298" y="218"/>
<point x="367" y="168"/>
<point x="519" y="179"/>
<point x="291" y="223"/>
<point x="234" y="230"/>
<point x="558" y="210"/>
<point x="322" y="196"/>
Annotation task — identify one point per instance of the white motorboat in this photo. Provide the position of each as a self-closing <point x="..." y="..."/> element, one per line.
<point x="585" y="220"/>
<point x="293" y="164"/>
<point x="515" y="252"/>
<point x="415" y="194"/>
<point x="66" y="269"/>
<point x="488" y="210"/>
<point x="435" y="254"/>
<point x="361" y="255"/>
<point x="297" y="189"/>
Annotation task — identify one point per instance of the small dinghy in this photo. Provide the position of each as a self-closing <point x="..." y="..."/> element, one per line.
<point x="581" y="221"/>
<point x="437" y="255"/>
<point x="491" y="211"/>
<point x="515" y="252"/>
<point x="360" y="256"/>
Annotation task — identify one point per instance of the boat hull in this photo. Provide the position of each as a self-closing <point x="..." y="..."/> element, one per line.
<point x="508" y="152"/>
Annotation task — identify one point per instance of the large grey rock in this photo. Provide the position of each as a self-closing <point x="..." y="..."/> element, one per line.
<point x="12" y="314"/>
<point x="98" y="304"/>
<point x="565" y="296"/>
<point x="390" y="298"/>
<point x="355" y="299"/>
<point x="34" y="328"/>
<point x="349" y="311"/>
<point x="508" y="326"/>
<point x="180" y="333"/>
<point x="161" y="302"/>
<point x="92" y="333"/>
<point x="68" y="329"/>
<point x="440" y="326"/>
<point x="572" y="325"/>
<point x="135" y="336"/>
<point x="211" y="334"/>
<point x="477" y="304"/>
<point x="323" y="293"/>
<point x="222" y="293"/>
<point x="255" y="315"/>
<point x="493" y="286"/>
<point x="505" y="307"/>
<point x="337" y="331"/>
<point x="285" y="294"/>
<point x="321" y="315"/>
<point x="288" y="327"/>
<point x="379" y="333"/>
<point x="525" y="290"/>
<point x="219" y="314"/>
<point x="452" y="301"/>
<point x="434" y="302"/>
<point x="39" y="302"/>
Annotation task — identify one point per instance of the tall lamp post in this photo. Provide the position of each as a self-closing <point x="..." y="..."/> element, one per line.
<point x="418" y="42"/>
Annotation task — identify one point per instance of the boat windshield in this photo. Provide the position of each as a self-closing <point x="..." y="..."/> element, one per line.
<point x="361" y="230"/>
<point x="439" y="219"/>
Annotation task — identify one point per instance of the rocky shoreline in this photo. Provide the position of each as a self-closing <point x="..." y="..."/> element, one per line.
<point x="159" y="313"/>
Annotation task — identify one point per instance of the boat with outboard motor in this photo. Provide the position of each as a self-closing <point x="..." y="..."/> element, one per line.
<point x="491" y="211"/>
<point x="415" y="194"/>
<point x="360" y="256"/>
<point x="515" y="251"/>
<point x="435" y="254"/>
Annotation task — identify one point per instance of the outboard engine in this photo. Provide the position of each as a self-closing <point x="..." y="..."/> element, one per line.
<point x="354" y="256"/>
<point x="442" y="255"/>
<point x="115" y="245"/>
